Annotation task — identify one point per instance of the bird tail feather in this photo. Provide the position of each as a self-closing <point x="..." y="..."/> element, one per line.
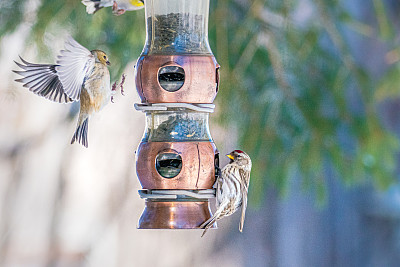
<point x="81" y="133"/>
<point x="207" y="224"/>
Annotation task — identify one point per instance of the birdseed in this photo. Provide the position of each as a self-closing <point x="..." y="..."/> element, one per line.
<point x="176" y="33"/>
<point x="178" y="128"/>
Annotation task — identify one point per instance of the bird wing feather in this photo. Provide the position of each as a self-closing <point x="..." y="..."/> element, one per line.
<point x="92" y="6"/>
<point x="244" y="183"/>
<point x="74" y="64"/>
<point x="244" y="206"/>
<point x="42" y="79"/>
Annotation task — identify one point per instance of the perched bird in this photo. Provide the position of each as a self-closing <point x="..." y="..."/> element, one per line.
<point x="232" y="188"/>
<point x="79" y="75"/>
<point x="119" y="7"/>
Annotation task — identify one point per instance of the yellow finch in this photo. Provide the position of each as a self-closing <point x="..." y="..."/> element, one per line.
<point x="79" y="75"/>
<point x="119" y="7"/>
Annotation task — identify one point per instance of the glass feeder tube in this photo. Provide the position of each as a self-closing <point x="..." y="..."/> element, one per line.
<point x="177" y="27"/>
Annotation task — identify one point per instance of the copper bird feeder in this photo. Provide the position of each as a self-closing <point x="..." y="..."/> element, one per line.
<point x="177" y="80"/>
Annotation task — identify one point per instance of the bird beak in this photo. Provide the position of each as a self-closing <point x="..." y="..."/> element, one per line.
<point x="108" y="63"/>
<point x="230" y="156"/>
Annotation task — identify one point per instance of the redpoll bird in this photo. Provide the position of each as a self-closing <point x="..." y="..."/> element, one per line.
<point x="232" y="188"/>
<point x="119" y="7"/>
<point x="79" y="75"/>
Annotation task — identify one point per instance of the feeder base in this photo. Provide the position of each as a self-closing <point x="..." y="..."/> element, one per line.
<point x="174" y="215"/>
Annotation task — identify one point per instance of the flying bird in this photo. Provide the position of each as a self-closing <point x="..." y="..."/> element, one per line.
<point x="232" y="188"/>
<point x="79" y="75"/>
<point x="118" y="7"/>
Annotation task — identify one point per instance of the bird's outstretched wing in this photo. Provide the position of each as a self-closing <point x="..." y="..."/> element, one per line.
<point x="73" y="65"/>
<point x="42" y="79"/>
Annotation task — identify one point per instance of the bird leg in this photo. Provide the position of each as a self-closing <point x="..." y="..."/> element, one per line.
<point x="121" y="85"/>
<point x="116" y="11"/>
<point x="113" y="90"/>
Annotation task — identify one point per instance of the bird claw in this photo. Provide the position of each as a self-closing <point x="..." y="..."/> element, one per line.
<point x="119" y="12"/>
<point x="120" y="85"/>
<point x="218" y="171"/>
<point x="116" y="10"/>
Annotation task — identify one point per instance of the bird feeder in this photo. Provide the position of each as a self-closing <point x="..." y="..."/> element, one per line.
<point x="177" y="80"/>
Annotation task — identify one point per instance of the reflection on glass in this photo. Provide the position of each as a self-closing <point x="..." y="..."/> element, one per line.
<point x="171" y="78"/>
<point x="168" y="165"/>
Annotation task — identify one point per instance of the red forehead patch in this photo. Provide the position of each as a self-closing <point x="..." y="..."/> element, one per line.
<point x="239" y="151"/>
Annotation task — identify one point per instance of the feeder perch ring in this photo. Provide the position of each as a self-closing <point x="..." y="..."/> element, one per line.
<point x="177" y="195"/>
<point x="167" y="106"/>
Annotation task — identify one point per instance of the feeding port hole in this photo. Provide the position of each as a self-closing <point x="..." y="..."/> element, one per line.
<point x="171" y="78"/>
<point x="168" y="165"/>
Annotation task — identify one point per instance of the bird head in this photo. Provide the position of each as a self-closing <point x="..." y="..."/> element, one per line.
<point x="138" y="3"/>
<point x="241" y="159"/>
<point x="100" y="57"/>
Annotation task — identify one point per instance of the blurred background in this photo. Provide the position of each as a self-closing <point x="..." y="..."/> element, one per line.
<point x="310" y="89"/>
